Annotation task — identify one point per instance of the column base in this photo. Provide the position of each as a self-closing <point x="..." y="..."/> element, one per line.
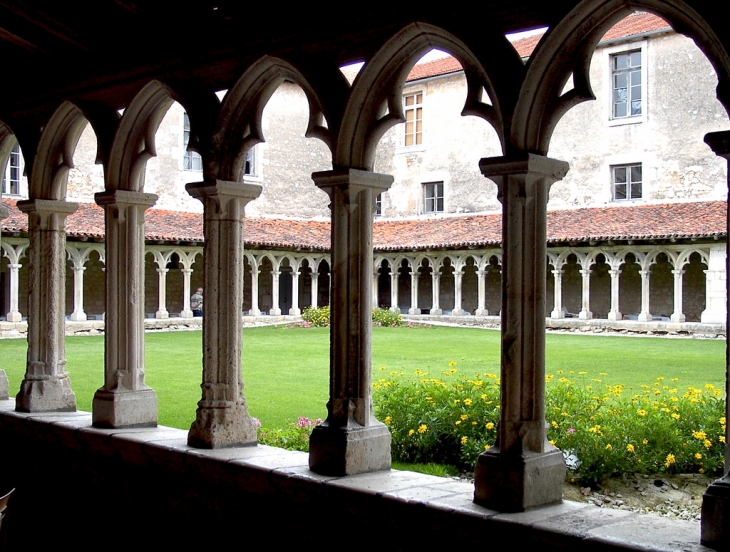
<point x="46" y="394"/>
<point x="394" y="309"/>
<point x="615" y="316"/>
<point x="481" y="312"/>
<point x="414" y="310"/>
<point x="162" y="314"/>
<point x="295" y="312"/>
<point x="557" y="314"/>
<point x="436" y="312"/>
<point x="186" y="314"/>
<point x="458" y="312"/>
<point x="585" y="315"/>
<point x="516" y="483"/>
<point x="4" y="386"/>
<point x="78" y="317"/>
<point x="715" y="521"/>
<point x="645" y="317"/>
<point x="220" y="427"/>
<point x="114" y="409"/>
<point x="254" y="312"/>
<point x="275" y="312"/>
<point x="14" y="317"/>
<point x="679" y="318"/>
<point x="346" y="451"/>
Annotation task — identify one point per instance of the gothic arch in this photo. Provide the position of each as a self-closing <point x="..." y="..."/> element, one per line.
<point x="239" y="123"/>
<point x="566" y="50"/>
<point x="7" y="142"/>
<point x="375" y="102"/>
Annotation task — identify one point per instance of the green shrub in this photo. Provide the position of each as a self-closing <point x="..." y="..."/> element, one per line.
<point x="293" y="437"/>
<point x="317" y="317"/>
<point x="385" y="317"/>
<point x="321" y="317"/>
<point x="452" y="418"/>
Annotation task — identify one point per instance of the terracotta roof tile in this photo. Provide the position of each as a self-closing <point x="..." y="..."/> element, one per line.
<point x="629" y="222"/>
<point x="442" y="66"/>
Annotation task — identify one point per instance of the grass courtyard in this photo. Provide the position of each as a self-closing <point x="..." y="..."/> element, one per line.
<point x="285" y="370"/>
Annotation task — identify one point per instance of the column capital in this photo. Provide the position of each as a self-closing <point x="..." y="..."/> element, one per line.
<point x="223" y="189"/>
<point x="524" y="163"/>
<point x="47" y="207"/>
<point x="124" y="198"/>
<point x="586" y="271"/>
<point x="327" y="180"/>
<point x="558" y="272"/>
<point x="719" y="142"/>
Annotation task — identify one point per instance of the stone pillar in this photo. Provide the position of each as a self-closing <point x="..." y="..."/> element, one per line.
<point x="222" y="418"/>
<point x="186" y="312"/>
<point x="435" y="292"/>
<point x="295" y="310"/>
<point x="162" y="294"/>
<point x="315" y="288"/>
<point x="678" y="315"/>
<point x="255" y="311"/>
<point x="614" y="313"/>
<point x="350" y="440"/>
<point x="414" y="292"/>
<point x="558" y="311"/>
<point x="394" y="290"/>
<point x="522" y="470"/>
<point x="715" y="287"/>
<point x="715" y="521"/>
<point x="376" y="273"/>
<point x="46" y="386"/>
<point x="585" y="311"/>
<point x="78" y="314"/>
<point x="482" y="288"/>
<point x="124" y="400"/>
<point x="13" y="314"/>
<point x="275" y="309"/>
<point x="458" y="293"/>
<point x="4" y="385"/>
<point x="645" y="315"/>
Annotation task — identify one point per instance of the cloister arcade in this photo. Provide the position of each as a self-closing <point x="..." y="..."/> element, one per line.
<point x="522" y="102"/>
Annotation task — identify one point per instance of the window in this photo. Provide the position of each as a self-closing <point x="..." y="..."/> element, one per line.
<point x="192" y="160"/>
<point x="627" y="182"/>
<point x="414" y="119"/>
<point x="11" y="175"/>
<point x="626" y="85"/>
<point x="433" y="197"/>
<point x="250" y="168"/>
<point x="379" y="205"/>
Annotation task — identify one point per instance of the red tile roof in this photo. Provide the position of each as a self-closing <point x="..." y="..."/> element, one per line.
<point x="630" y="222"/>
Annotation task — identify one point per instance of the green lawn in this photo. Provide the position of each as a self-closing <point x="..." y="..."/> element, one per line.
<point x="286" y="370"/>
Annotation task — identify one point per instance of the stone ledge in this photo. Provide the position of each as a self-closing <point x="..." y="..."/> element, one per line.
<point x="400" y="508"/>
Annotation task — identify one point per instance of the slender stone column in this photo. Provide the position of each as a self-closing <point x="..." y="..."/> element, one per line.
<point x="78" y="313"/>
<point x="678" y="315"/>
<point x="394" y="290"/>
<point x="585" y="311"/>
<point x="614" y="313"/>
<point x="124" y="400"/>
<point x="222" y="418"/>
<point x="187" y="311"/>
<point x="522" y="469"/>
<point x="46" y="386"/>
<point x="255" y="311"/>
<point x="295" y="310"/>
<point x="715" y="521"/>
<point x="436" y="292"/>
<point x="162" y="294"/>
<point x="482" y="289"/>
<point x="376" y="272"/>
<point x="14" y="314"/>
<point x="414" y="293"/>
<point x="315" y="288"/>
<point x="350" y="440"/>
<point x="558" y="311"/>
<point x="4" y="385"/>
<point x="458" y="293"/>
<point x="645" y="315"/>
<point x="715" y="287"/>
<point x="275" y="308"/>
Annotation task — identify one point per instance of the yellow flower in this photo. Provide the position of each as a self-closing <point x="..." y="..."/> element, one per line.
<point x="422" y="428"/>
<point x="486" y="447"/>
<point x="464" y="416"/>
<point x="698" y="456"/>
<point x="388" y="419"/>
<point x="473" y="423"/>
<point x="645" y="441"/>
<point x="457" y="401"/>
<point x="552" y="442"/>
<point x="722" y="439"/>
<point x="670" y="460"/>
<point x="609" y="447"/>
<point x="699" y="435"/>
<point x="582" y="373"/>
<point x="702" y="471"/>
<point x="555" y="424"/>
<point x="467" y="402"/>
<point x="641" y="412"/>
<point x="457" y="422"/>
<point x="722" y="420"/>
<point x="490" y="425"/>
<point x="630" y="447"/>
<point x="484" y="396"/>
<point x="464" y="439"/>
<point x="707" y="443"/>
<point x="675" y="416"/>
<point x="411" y="432"/>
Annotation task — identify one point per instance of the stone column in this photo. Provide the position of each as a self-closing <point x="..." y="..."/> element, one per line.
<point x="376" y="273"/>
<point x="124" y="400"/>
<point x="78" y="314"/>
<point x="482" y="288"/>
<point x="678" y="315"/>
<point x="645" y="315"/>
<point x="715" y="287"/>
<point x="255" y="311"/>
<point x="522" y="469"/>
<point x="186" y="312"/>
<point x="222" y="418"/>
<point x="585" y="311"/>
<point x="458" y="293"/>
<point x="614" y="313"/>
<point x="558" y="311"/>
<point x="394" y="290"/>
<point x="715" y="521"/>
<point x="275" y="309"/>
<point x="315" y="288"/>
<point x="435" y="292"/>
<point x="13" y="314"/>
<point x="162" y="294"/>
<point x="414" y="292"/>
<point x="4" y="385"/>
<point x="295" y="310"/>
<point x="46" y="386"/>
<point x="350" y="440"/>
